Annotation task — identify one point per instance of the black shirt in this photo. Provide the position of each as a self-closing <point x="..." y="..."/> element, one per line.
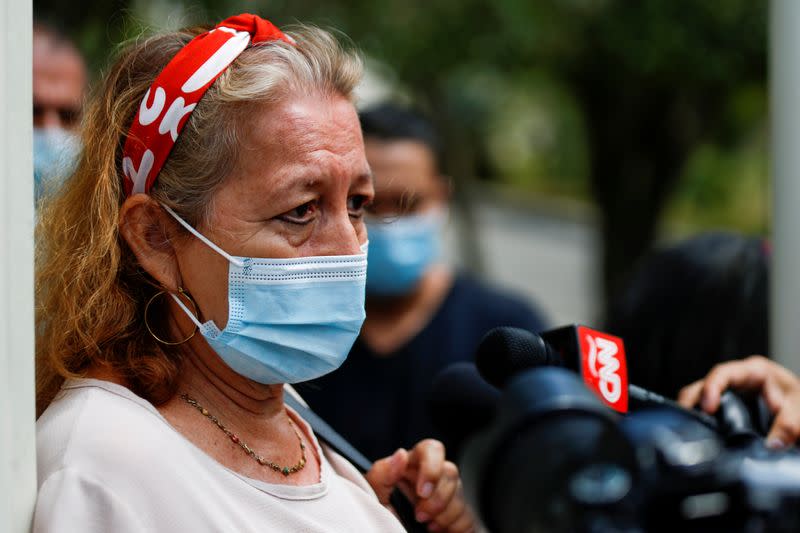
<point x="379" y="402"/>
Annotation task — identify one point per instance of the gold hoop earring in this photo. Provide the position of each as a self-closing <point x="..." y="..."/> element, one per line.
<point x="181" y="292"/>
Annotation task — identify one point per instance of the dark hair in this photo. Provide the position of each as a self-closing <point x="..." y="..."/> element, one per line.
<point x="391" y="122"/>
<point x="691" y="306"/>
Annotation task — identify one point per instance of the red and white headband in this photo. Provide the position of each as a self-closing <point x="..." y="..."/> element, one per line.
<point x="169" y="102"/>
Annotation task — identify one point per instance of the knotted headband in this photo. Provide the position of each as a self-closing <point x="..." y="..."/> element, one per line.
<point x="169" y="101"/>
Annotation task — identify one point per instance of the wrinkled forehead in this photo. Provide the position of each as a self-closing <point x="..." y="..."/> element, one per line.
<point x="299" y="129"/>
<point x="327" y="122"/>
<point x="302" y="144"/>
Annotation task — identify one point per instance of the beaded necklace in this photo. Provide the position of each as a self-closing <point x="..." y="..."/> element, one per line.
<point x="285" y="470"/>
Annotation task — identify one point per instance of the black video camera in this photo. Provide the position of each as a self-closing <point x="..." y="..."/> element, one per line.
<point x="556" y="459"/>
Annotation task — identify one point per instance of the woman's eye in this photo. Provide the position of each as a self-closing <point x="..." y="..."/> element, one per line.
<point x="356" y="205"/>
<point x="302" y="214"/>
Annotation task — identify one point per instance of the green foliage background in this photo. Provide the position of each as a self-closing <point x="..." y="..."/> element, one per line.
<point x="654" y="111"/>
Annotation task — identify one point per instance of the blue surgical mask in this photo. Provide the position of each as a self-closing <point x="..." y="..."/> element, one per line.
<point x="401" y="251"/>
<point x="289" y="320"/>
<point x="55" y="151"/>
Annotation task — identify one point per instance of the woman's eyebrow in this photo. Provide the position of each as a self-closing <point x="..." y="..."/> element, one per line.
<point x="310" y="182"/>
<point x="296" y="184"/>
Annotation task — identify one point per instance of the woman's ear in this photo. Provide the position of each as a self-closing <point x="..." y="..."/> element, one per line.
<point x="150" y="232"/>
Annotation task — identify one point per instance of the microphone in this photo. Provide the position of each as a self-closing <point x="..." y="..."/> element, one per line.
<point x="518" y="347"/>
<point x="461" y="402"/>
<point x="599" y="359"/>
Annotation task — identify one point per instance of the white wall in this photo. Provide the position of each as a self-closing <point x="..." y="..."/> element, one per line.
<point x="17" y="431"/>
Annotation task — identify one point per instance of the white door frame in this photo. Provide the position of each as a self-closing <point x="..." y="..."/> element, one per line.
<point x="17" y="411"/>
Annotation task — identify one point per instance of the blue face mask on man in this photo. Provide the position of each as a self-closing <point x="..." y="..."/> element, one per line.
<point x="289" y="320"/>
<point x="55" y="151"/>
<point x="401" y="251"/>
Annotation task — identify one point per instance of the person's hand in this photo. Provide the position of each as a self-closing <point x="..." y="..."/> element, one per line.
<point x="431" y="483"/>
<point x="779" y="387"/>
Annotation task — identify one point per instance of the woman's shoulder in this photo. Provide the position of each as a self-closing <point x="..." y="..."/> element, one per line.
<point x="91" y="424"/>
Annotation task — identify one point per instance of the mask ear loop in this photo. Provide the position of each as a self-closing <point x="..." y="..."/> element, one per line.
<point x="186" y="310"/>
<point x="203" y="238"/>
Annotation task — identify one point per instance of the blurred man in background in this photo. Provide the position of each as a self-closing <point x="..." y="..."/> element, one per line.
<point x="59" y="83"/>
<point x="421" y="315"/>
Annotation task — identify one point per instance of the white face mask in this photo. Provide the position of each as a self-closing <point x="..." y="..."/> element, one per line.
<point x="289" y="320"/>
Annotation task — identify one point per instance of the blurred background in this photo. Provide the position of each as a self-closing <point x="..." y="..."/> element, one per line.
<point x="579" y="134"/>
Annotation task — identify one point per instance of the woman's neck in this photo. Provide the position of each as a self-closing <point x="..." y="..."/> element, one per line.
<point x="251" y="411"/>
<point x="227" y="394"/>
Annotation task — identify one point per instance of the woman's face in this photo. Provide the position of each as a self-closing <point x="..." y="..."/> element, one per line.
<point x="299" y="189"/>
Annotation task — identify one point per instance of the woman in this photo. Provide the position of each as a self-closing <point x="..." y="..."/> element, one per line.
<point x="206" y="252"/>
